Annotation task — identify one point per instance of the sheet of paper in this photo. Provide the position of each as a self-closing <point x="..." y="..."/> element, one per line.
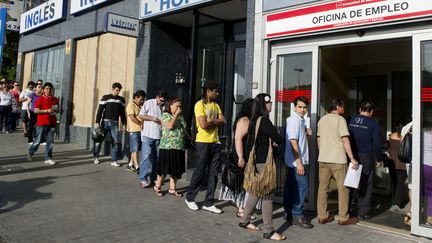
<point x="352" y="178"/>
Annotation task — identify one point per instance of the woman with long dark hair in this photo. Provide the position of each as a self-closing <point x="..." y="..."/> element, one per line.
<point x="260" y="138"/>
<point x="172" y="148"/>
<point x="238" y="155"/>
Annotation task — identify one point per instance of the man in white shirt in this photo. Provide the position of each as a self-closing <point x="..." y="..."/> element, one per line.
<point x="296" y="156"/>
<point x="151" y="113"/>
<point x="24" y="100"/>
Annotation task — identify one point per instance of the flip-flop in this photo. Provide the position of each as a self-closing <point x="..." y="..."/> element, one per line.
<point x="269" y="236"/>
<point x="240" y="215"/>
<point x="249" y="226"/>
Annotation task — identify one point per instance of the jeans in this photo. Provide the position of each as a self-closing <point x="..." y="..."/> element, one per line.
<point x="148" y="158"/>
<point x="208" y="159"/>
<point x="112" y="128"/>
<point x="48" y="131"/>
<point x="6" y="115"/>
<point x="296" y="189"/>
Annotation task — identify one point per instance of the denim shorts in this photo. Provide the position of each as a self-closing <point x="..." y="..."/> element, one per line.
<point x="134" y="141"/>
<point x="24" y="116"/>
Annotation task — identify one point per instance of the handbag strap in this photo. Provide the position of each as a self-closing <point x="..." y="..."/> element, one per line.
<point x="258" y="123"/>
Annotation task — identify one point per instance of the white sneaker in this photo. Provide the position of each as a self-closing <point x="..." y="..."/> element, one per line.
<point x="43" y="144"/>
<point x="50" y="162"/>
<point x="212" y="209"/>
<point x="191" y="205"/>
<point x="96" y="161"/>
<point x="30" y="143"/>
<point x="29" y="157"/>
<point x="115" y="164"/>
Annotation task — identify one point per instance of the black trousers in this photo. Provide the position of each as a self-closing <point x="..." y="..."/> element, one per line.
<point x="399" y="192"/>
<point x="31" y="127"/>
<point x="366" y="183"/>
<point x="207" y="156"/>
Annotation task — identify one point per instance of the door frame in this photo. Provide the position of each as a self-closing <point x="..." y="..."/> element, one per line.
<point x="416" y="228"/>
<point x="293" y="45"/>
<point x="278" y="121"/>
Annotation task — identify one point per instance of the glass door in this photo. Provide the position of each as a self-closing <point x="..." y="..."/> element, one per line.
<point x="294" y="72"/>
<point x="421" y="209"/>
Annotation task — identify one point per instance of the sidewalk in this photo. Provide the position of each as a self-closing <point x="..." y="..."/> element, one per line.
<point x="77" y="201"/>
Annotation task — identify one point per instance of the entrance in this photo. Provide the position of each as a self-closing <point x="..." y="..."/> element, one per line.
<point x="391" y="70"/>
<point x="372" y="71"/>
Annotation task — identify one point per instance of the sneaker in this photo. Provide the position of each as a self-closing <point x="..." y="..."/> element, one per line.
<point x="212" y="209"/>
<point x="31" y="143"/>
<point x="144" y="184"/>
<point x="131" y="168"/>
<point x="50" y="162"/>
<point x="96" y="161"/>
<point x="115" y="164"/>
<point x="43" y="144"/>
<point x="192" y="205"/>
<point x="29" y="157"/>
<point x="396" y="208"/>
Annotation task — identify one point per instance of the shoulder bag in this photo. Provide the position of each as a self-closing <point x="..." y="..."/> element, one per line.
<point x="263" y="182"/>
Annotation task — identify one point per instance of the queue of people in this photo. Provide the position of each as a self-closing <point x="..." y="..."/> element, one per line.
<point x="158" y="134"/>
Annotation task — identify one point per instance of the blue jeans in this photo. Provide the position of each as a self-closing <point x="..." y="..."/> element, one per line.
<point x="296" y="189"/>
<point x="148" y="158"/>
<point x="112" y="128"/>
<point x="48" y="132"/>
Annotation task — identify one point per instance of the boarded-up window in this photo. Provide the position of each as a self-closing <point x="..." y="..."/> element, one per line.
<point x="100" y="62"/>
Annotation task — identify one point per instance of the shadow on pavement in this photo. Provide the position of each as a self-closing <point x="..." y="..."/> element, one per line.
<point x="20" y="193"/>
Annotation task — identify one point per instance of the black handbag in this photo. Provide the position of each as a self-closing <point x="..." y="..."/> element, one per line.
<point x="405" y="151"/>
<point x="232" y="175"/>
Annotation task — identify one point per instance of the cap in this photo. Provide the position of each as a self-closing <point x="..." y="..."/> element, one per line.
<point x="209" y="84"/>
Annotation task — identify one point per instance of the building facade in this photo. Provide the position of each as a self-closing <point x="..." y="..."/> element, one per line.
<point x="82" y="47"/>
<point x="355" y="50"/>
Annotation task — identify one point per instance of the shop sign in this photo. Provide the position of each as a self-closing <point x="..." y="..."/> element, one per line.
<point x="121" y="25"/>
<point x="344" y="14"/>
<point x="151" y="8"/>
<point x="81" y="5"/>
<point x="14" y="11"/>
<point x="43" y="14"/>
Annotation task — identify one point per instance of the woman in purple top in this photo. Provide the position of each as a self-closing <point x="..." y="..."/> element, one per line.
<point x="30" y="111"/>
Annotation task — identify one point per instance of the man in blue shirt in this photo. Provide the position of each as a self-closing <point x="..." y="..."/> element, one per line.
<point x="366" y="144"/>
<point x="296" y="156"/>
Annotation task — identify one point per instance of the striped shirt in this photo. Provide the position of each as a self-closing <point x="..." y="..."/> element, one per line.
<point x="111" y="108"/>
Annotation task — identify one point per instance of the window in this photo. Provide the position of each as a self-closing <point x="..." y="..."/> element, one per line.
<point x="29" y="4"/>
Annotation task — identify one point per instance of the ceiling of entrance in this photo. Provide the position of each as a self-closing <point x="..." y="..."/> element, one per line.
<point x="226" y="11"/>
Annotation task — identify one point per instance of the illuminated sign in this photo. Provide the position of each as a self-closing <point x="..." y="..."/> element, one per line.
<point x="151" y="8"/>
<point x="41" y="15"/>
<point x="344" y="14"/>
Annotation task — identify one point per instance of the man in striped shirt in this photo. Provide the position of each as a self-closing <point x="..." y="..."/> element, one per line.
<point x="111" y="107"/>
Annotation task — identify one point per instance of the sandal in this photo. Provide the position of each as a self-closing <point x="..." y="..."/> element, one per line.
<point x="407" y="218"/>
<point x="174" y="193"/>
<point x="157" y="191"/>
<point x="274" y="236"/>
<point x="240" y="215"/>
<point x="249" y="226"/>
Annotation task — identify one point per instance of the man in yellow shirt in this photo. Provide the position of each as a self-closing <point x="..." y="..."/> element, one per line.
<point x="208" y="117"/>
<point x="134" y="128"/>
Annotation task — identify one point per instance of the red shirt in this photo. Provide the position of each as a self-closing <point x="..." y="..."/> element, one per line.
<point x="45" y="103"/>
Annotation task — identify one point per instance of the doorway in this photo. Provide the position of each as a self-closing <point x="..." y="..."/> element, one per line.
<point x="381" y="72"/>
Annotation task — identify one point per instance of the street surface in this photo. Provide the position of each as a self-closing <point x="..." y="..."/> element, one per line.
<point x="77" y="201"/>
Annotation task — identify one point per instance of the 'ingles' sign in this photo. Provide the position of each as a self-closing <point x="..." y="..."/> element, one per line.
<point x="41" y="15"/>
<point x="80" y="5"/>
<point x="151" y="8"/>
